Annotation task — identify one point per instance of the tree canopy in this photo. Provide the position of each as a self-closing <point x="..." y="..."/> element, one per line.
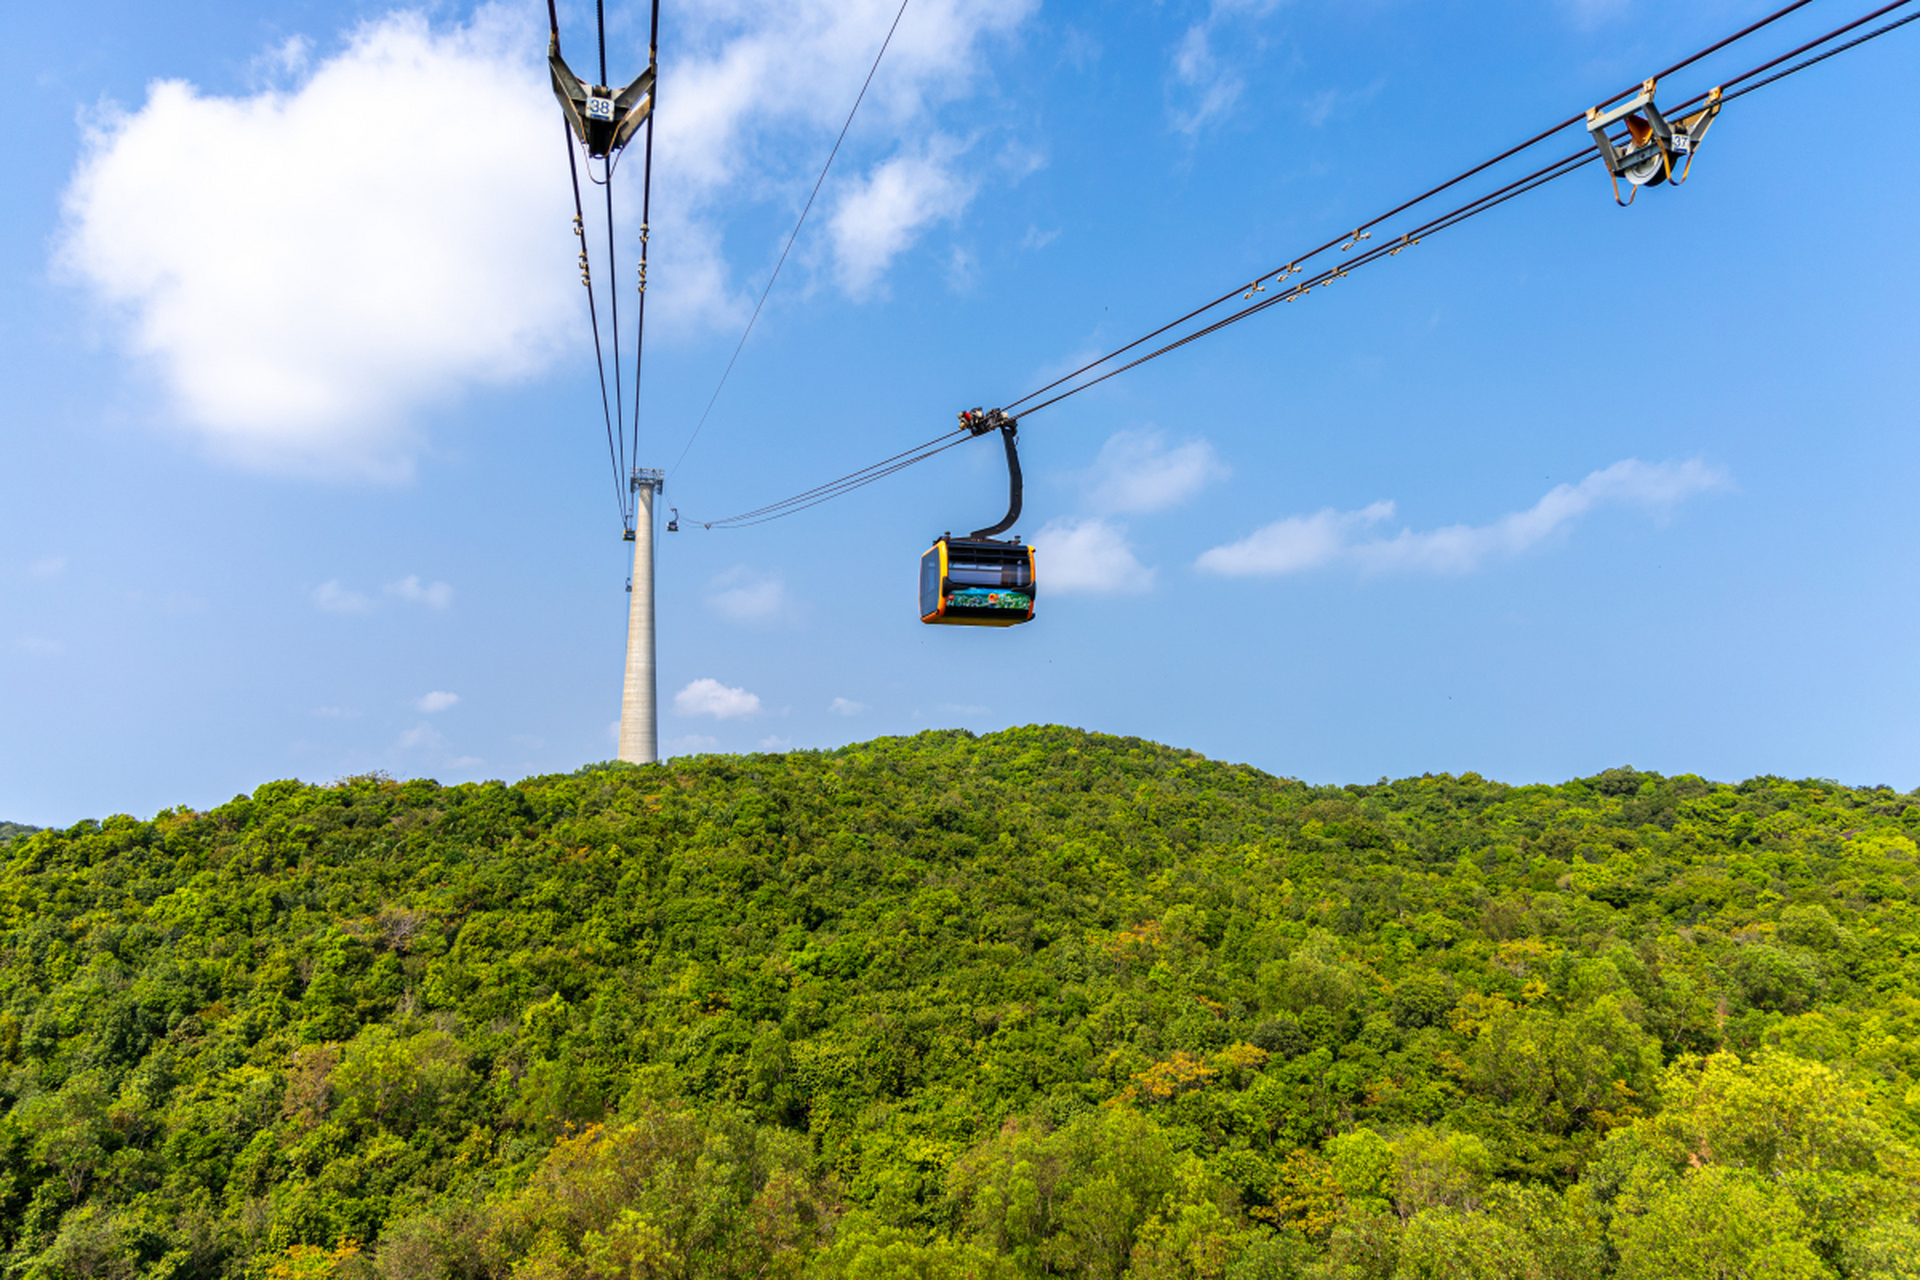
<point x="1034" y="1004"/>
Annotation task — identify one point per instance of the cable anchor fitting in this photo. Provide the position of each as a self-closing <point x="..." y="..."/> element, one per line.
<point x="1358" y="236"/>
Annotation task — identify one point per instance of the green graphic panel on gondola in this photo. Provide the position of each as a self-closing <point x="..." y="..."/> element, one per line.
<point x="977" y="582"/>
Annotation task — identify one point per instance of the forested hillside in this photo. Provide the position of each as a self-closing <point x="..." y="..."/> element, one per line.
<point x="8" y="830"/>
<point x="1041" y="1003"/>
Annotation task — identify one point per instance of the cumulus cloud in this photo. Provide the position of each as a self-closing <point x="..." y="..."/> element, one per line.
<point x="846" y="707"/>
<point x="1299" y="543"/>
<point x="309" y="267"/>
<point x="744" y="596"/>
<point x="1137" y="471"/>
<point x="692" y="744"/>
<point x="881" y="215"/>
<point x="1089" y="555"/>
<point x="421" y="735"/>
<point x="435" y="595"/>
<point x="305" y="268"/>
<point x="48" y="567"/>
<point x="1208" y="84"/>
<point x="708" y="697"/>
<point x="331" y="597"/>
<point x="438" y="700"/>
<point x="1588" y="15"/>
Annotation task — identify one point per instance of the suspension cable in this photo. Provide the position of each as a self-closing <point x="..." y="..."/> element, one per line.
<point x="1424" y="196"/>
<point x="1325" y="277"/>
<point x="801" y="221"/>
<point x="586" y="278"/>
<point x="646" y="216"/>
<point x="613" y="297"/>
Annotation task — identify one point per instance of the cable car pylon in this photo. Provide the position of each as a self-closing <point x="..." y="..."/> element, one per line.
<point x="639" y="692"/>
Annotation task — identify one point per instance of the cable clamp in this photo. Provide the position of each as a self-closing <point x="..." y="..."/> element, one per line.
<point x="1255" y="287"/>
<point x="1358" y="236"/>
<point x="1406" y="242"/>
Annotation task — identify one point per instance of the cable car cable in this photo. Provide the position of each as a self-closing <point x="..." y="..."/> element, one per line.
<point x="860" y="479"/>
<point x="742" y="522"/>
<point x="846" y="483"/>
<point x="1540" y="177"/>
<point x="593" y="316"/>
<point x="613" y="294"/>
<point x="646" y="215"/>
<point x="1450" y="219"/>
<point x="1428" y="194"/>
<point x="801" y="221"/>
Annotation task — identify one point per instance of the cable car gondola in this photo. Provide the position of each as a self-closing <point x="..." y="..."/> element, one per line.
<point x="981" y="580"/>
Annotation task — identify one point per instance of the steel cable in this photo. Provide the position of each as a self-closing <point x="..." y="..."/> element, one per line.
<point x="1473" y="208"/>
<point x="801" y="221"/>
<point x="646" y="220"/>
<point x="586" y="278"/>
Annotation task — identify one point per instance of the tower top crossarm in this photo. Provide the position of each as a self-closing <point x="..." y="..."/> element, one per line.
<point x="649" y="477"/>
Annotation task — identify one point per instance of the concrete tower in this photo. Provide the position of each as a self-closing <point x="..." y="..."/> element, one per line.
<point x="639" y="711"/>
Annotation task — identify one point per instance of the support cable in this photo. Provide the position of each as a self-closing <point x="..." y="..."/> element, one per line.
<point x="1355" y="235"/>
<point x="727" y="372"/>
<point x="599" y="359"/>
<point x="627" y="503"/>
<point x="1325" y="277"/>
<point x="586" y="279"/>
<point x="646" y="216"/>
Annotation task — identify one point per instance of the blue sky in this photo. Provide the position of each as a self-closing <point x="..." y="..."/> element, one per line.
<point x="304" y="473"/>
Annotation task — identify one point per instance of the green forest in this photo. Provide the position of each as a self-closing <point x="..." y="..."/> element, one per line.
<point x="1039" y="1003"/>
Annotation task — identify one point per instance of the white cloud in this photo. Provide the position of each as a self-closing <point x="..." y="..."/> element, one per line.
<point x="775" y="743"/>
<point x="306" y="267"/>
<point x="846" y="707"/>
<point x="48" y="567"/>
<point x="435" y="595"/>
<point x="744" y="596"/>
<point x="1294" y="544"/>
<point x="757" y="101"/>
<point x="1136" y="471"/>
<point x="331" y="597"/>
<point x="1211" y="84"/>
<point x="693" y="744"/>
<point x="881" y="215"/>
<point x="708" y="697"/>
<point x="1587" y="15"/>
<point x="1299" y="543"/>
<point x="308" y="272"/>
<point x="421" y="735"/>
<point x="466" y="762"/>
<point x="1090" y="555"/>
<point x="438" y="700"/>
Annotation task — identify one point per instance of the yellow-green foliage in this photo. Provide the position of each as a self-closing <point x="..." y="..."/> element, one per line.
<point x="1043" y="1003"/>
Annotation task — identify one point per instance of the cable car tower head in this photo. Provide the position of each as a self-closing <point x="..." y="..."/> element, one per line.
<point x="1645" y="157"/>
<point x="601" y="118"/>
<point x="981" y="580"/>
